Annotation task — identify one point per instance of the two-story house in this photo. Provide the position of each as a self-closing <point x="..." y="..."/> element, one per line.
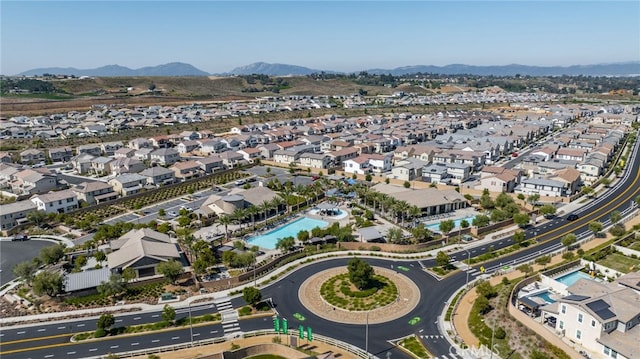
<point x="158" y="176"/>
<point x="128" y="183"/>
<point x="186" y="170"/>
<point x="164" y="156"/>
<point x="94" y="192"/>
<point x="63" y="201"/>
<point x="60" y="154"/>
<point x="31" y="156"/>
<point x="15" y="213"/>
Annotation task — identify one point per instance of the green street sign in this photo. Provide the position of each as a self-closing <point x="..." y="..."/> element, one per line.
<point x="309" y="334"/>
<point x="285" y="326"/>
<point x="276" y="324"/>
<point x="403" y="268"/>
<point x="301" y="331"/>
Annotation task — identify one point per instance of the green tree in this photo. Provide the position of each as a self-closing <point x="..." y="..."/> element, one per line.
<point x="406" y="184"/>
<point x="522" y="197"/>
<point x="162" y="212"/>
<point x="615" y="217"/>
<point x="80" y="261"/>
<point x="548" y="210"/>
<point x="52" y="254"/>
<point x="251" y="295"/>
<point x="394" y="235"/>
<point x="446" y="226"/>
<point x="442" y="259"/>
<point x="569" y="239"/>
<point x="360" y="273"/>
<point x="285" y="244"/>
<point x="129" y="274"/>
<point x="503" y="200"/>
<point x="485" y="289"/>
<point x="26" y="270"/>
<point x="168" y="314"/>
<point x="367" y="177"/>
<point x="464" y="223"/>
<point x="100" y="256"/>
<point x="586" y="190"/>
<point x="106" y="321"/>
<point x="595" y="227"/>
<point x="47" y="283"/>
<point x="303" y="236"/>
<point x="544" y="260"/>
<point x="521" y="219"/>
<point x="483" y="305"/>
<point x="533" y="199"/>
<point x="480" y="220"/>
<point x="171" y="270"/>
<point x="519" y="237"/>
<point x="114" y="287"/>
<point x="525" y="268"/>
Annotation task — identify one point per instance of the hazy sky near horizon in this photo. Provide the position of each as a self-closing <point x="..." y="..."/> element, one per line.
<point x="217" y="36"/>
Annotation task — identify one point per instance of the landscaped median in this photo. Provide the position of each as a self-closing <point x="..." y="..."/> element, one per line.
<point x="414" y="347"/>
<point x="149" y="327"/>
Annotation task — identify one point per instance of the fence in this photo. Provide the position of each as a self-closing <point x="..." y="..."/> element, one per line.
<point x="357" y="352"/>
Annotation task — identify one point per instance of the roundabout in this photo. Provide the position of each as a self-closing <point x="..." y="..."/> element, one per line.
<point x="406" y="296"/>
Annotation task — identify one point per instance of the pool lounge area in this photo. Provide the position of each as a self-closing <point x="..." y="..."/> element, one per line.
<point x="570" y="278"/>
<point x="268" y="240"/>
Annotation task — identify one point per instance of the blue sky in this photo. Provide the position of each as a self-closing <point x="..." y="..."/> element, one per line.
<point x="218" y="36"/>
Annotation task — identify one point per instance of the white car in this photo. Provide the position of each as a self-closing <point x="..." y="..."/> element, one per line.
<point x="172" y="214"/>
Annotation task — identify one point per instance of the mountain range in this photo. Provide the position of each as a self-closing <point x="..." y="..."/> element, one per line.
<point x="182" y="69"/>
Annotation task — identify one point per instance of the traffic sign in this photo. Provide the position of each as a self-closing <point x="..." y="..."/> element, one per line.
<point x="482" y="269"/>
<point x="285" y="326"/>
<point x="276" y="324"/>
<point x="309" y="334"/>
<point x="301" y="331"/>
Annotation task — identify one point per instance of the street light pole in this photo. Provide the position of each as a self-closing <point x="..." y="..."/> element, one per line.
<point x="366" y="338"/>
<point x="493" y="331"/>
<point x="190" y="324"/>
<point x="468" y="267"/>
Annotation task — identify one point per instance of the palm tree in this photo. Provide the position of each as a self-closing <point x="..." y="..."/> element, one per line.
<point x="415" y="212"/>
<point x="275" y="203"/>
<point x="402" y="207"/>
<point x="265" y="206"/>
<point x="225" y="220"/>
<point x="252" y="211"/>
<point x="386" y="203"/>
<point x="286" y="195"/>
<point x="239" y="214"/>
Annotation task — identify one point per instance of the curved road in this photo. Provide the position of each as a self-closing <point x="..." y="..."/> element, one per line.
<point x="434" y="294"/>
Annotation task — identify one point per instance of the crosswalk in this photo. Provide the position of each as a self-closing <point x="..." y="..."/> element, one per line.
<point x="435" y="336"/>
<point x="230" y="324"/>
<point x="449" y="356"/>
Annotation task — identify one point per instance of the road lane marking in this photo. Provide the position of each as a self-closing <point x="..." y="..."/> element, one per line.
<point x="70" y="353"/>
<point x="133" y="344"/>
<point x="21" y="332"/>
<point x="175" y="338"/>
<point x="81" y="325"/>
<point x="137" y="318"/>
<point x="93" y="349"/>
<point x="196" y="334"/>
<point x="155" y="315"/>
<point x="155" y="340"/>
<point x="114" y="346"/>
<point x="213" y="331"/>
<point x="49" y="356"/>
<point x="42" y="329"/>
<point x="118" y="320"/>
<point x="62" y="328"/>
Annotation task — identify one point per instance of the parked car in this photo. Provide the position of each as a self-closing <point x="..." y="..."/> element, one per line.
<point x="172" y="214"/>
<point x="20" y="237"/>
<point x="240" y="182"/>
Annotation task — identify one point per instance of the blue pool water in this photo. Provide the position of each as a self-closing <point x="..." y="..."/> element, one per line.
<point x="269" y="239"/>
<point x="456" y="223"/>
<point x="545" y="296"/>
<point x="571" y="278"/>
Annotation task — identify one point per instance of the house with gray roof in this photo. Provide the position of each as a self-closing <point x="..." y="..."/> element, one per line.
<point x="142" y="249"/>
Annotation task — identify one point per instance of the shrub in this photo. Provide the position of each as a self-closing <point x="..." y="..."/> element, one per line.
<point x="100" y="333"/>
<point x="500" y="333"/>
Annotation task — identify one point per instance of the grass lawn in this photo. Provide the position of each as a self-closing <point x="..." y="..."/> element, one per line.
<point x="413" y="345"/>
<point x="635" y="246"/>
<point x="620" y="262"/>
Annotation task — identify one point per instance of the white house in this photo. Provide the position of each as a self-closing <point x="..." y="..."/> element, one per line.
<point x="56" y="202"/>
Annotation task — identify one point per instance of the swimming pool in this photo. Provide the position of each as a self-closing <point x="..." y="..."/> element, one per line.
<point x="545" y="296"/>
<point x="571" y="278"/>
<point x="456" y="223"/>
<point x="269" y="239"/>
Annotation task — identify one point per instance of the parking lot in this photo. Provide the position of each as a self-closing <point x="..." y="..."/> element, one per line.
<point x="12" y="253"/>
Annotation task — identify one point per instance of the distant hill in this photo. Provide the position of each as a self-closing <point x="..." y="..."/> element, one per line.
<point x="264" y="68"/>
<point x="618" y="69"/>
<point x="170" y="69"/>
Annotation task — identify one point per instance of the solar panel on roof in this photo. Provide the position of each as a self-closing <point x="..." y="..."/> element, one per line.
<point x="605" y="314"/>
<point x="575" y="297"/>
<point x="598" y="305"/>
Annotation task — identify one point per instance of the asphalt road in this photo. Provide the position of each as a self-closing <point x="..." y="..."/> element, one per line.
<point x="433" y="293"/>
<point x="12" y="253"/>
